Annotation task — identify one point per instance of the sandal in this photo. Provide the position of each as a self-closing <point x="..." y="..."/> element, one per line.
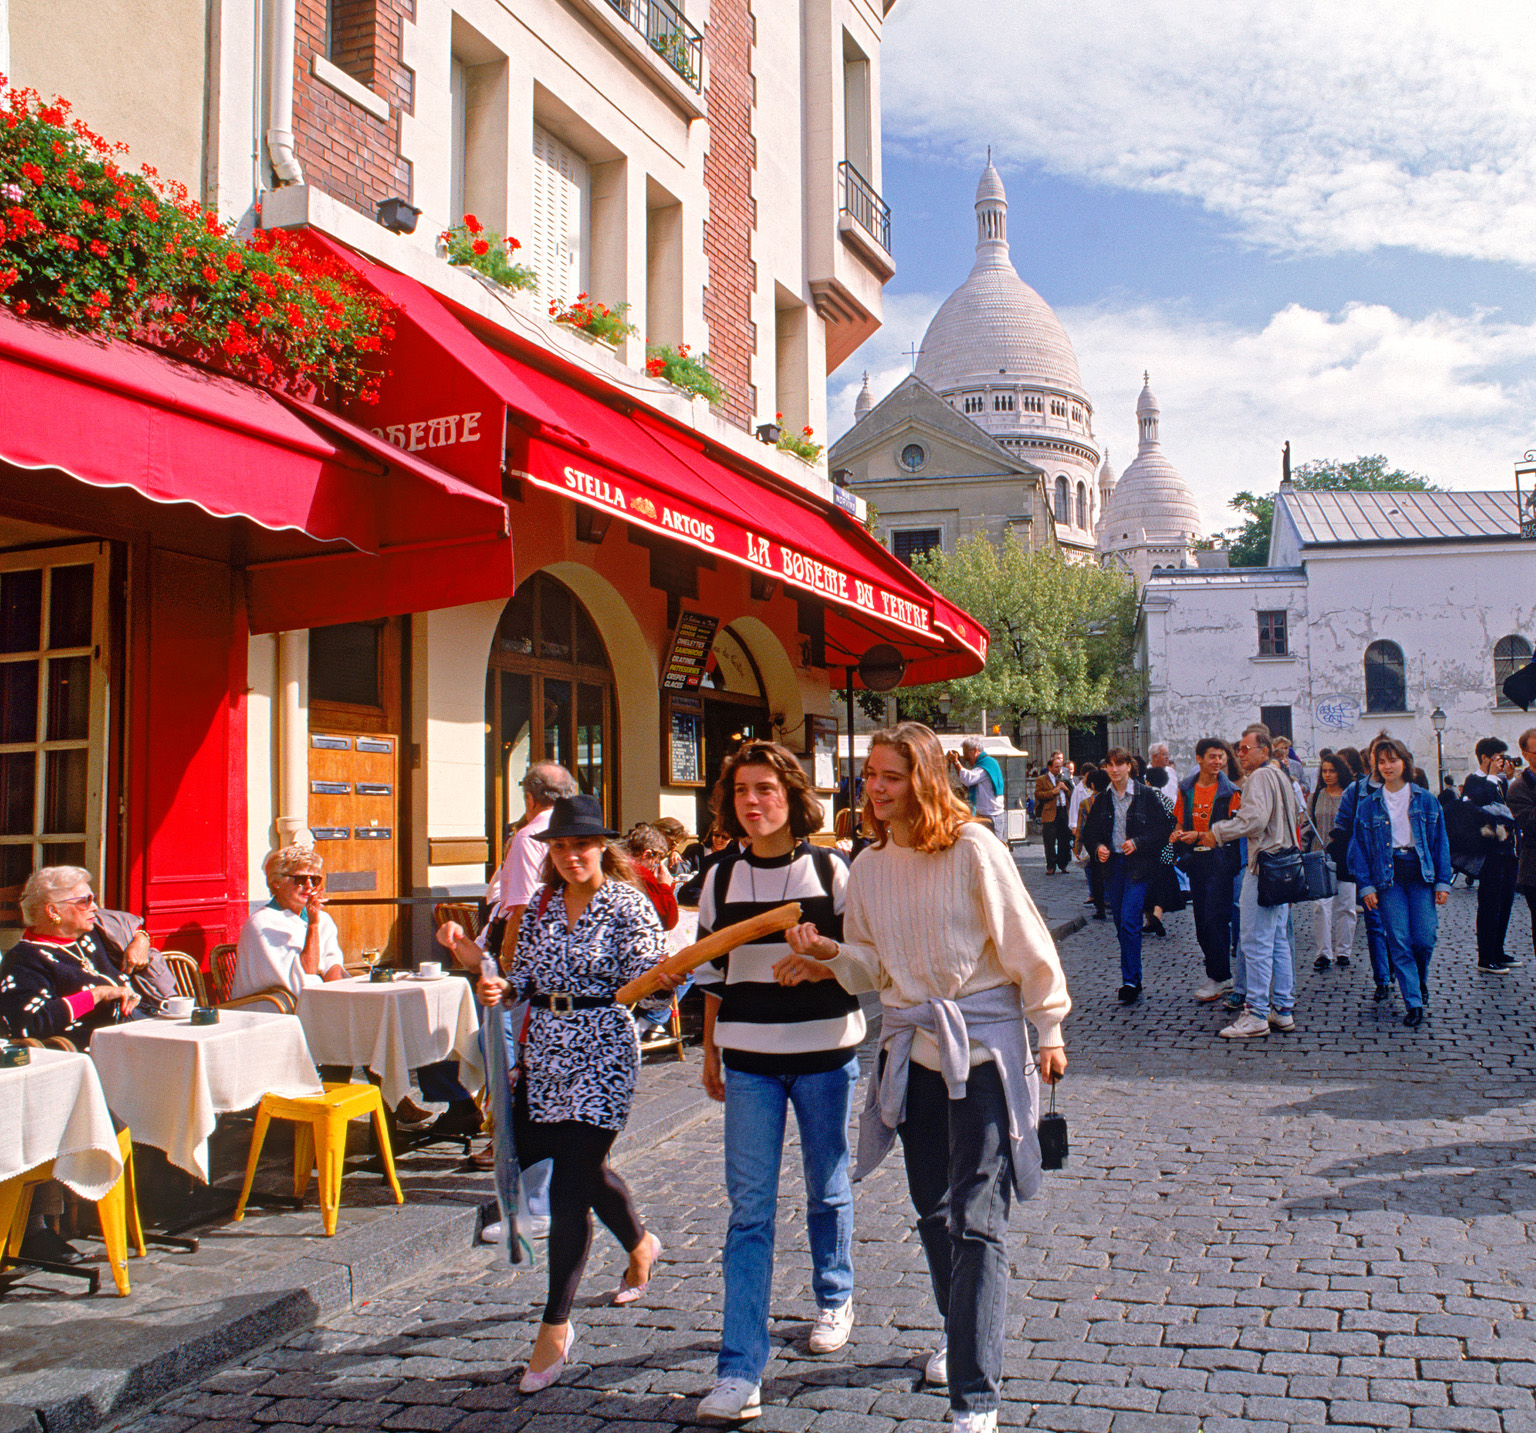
<point x="628" y="1293"/>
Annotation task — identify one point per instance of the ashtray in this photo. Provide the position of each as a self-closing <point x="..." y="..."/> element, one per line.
<point x="380" y="976"/>
<point x="205" y="1015"/>
<point x="13" y="1057"/>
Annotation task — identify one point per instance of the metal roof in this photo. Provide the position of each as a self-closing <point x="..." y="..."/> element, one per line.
<point x="1326" y="518"/>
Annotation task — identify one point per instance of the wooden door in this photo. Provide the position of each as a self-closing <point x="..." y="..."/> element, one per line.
<point x="353" y="809"/>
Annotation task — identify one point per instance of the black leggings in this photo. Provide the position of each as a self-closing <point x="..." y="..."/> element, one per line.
<point x="580" y="1184"/>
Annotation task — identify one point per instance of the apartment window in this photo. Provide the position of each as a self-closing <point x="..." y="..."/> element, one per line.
<point x="664" y="265"/>
<point x="913" y="456"/>
<point x="1509" y="655"/>
<point x="1386" y="685"/>
<point x="477" y="128"/>
<point x="1278" y="720"/>
<point x="1272" y="635"/>
<point x="858" y="131"/>
<point x="350" y="38"/>
<point x="1063" y="500"/>
<point x="344" y="664"/>
<point x="559" y="250"/>
<point x="1082" y="506"/>
<point x="911" y="542"/>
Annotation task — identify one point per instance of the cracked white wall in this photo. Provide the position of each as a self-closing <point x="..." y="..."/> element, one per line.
<point x="1446" y="606"/>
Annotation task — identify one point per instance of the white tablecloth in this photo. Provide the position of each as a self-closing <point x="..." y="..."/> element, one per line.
<point x="169" y="1080"/>
<point x="394" y="1028"/>
<point x="54" y="1109"/>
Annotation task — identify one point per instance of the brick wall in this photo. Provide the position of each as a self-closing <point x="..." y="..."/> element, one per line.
<point x="728" y="170"/>
<point x="344" y="150"/>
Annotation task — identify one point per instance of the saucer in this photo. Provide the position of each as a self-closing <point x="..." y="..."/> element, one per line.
<point x="428" y="979"/>
<point x="166" y="1015"/>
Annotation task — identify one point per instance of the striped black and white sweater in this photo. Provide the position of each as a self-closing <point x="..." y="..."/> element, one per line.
<point x="763" y="1027"/>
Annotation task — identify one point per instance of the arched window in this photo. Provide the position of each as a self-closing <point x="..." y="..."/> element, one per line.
<point x="1386" y="687"/>
<point x="1063" y="500"/>
<point x="1509" y="655"/>
<point x="1082" y="505"/>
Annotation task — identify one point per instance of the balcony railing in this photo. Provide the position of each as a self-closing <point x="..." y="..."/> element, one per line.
<point x="869" y="211"/>
<point x="668" y="32"/>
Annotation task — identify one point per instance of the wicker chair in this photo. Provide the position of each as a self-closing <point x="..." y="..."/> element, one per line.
<point x="189" y="978"/>
<point x="221" y="966"/>
<point x="466" y="913"/>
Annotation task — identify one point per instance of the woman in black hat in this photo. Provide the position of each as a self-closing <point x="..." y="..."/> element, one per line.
<point x="589" y="930"/>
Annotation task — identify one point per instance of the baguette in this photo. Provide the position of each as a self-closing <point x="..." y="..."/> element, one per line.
<point x="712" y="947"/>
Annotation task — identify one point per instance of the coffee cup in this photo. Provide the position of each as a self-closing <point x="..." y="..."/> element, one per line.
<point x="179" y="1005"/>
<point x="429" y="969"/>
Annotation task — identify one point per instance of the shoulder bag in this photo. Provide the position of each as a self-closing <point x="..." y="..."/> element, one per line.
<point x="1283" y="872"/>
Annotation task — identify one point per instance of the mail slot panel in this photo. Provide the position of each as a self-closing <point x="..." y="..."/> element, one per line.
<point x="343" y="882"/>
<point x="374" y="833"/>
<point x="330" y="788"/>
<point x="331" y="743"/>
<point x="374" y="788"/>
<point x="331" y="833"/>
<point x="375" y="745"/>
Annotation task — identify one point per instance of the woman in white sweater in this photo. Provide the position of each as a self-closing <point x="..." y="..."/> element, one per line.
<point x="939" y="923"/>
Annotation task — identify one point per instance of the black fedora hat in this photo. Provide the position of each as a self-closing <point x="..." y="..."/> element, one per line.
<point x="575" y="816"/>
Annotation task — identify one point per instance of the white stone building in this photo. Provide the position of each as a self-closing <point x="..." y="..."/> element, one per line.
<point x="1376" y="610"/>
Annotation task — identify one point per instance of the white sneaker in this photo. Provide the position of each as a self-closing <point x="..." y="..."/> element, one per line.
<point x="832" y="1328"/>
<point x="1247" y="1026"/>
<point x="491" y="1233"/>
<point x="936" y="1370"/>
<point x="732" y="1400"/>
<point x="973" y="1422"/>
<point x="1279" y="1021"/>
<point x="1212" y="990"/>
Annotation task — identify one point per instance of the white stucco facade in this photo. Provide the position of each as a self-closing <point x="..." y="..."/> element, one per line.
<point x="1445" y="602"/>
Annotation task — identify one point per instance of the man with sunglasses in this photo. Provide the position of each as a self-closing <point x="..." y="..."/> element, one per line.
<point x="290" y="941"/>
<point x="57" y="980"/>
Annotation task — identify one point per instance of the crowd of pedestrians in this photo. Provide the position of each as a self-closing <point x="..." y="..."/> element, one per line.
<point x="1391" y="848"/>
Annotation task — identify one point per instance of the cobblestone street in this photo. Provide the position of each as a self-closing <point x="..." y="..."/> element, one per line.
<point x="1327" y="1227"/>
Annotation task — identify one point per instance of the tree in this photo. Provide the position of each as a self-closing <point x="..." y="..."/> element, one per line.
<point x="1062" y="634"/>
<point x="1249" y="541"/>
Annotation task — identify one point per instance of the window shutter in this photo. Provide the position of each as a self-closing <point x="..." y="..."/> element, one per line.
<point x="560" y="189"/>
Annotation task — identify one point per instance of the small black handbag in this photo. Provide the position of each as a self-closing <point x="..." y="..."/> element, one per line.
<point x="1283" y="873"/>
<point x="1322" y="884"/>
<point x="1053" y="1137"/>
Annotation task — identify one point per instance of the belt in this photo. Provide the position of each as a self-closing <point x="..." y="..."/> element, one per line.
<point x="562" y="1004"/>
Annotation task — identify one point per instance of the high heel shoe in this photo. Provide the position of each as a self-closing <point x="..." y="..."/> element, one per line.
<point x="627" y="1293"/>
<point x="532" y="1382"/>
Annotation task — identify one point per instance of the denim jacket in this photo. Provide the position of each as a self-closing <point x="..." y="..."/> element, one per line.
<point x="1370" y="846"/>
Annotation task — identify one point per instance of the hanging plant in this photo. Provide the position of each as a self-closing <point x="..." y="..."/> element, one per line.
<point x="593" y="319"/>
<point x="682" y="369"/>
<point x="470" y="245"/>
<point x="92" y="248"/>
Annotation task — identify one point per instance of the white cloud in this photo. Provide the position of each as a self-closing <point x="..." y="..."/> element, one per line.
<point x="1434" y="395"/>
<point x="1314" y="127"/>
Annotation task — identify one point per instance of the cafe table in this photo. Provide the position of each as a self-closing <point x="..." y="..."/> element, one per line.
<point x="169" y="1080"/>
<point x="393" y="1027"/>
<point x="54" y="1123"/>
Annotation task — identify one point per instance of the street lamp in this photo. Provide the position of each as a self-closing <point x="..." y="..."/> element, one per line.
<point x="946" y="701"/>
<point x="1437" y="719"/>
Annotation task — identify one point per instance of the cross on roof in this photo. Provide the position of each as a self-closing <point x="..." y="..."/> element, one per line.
<point x="911" y="355"/>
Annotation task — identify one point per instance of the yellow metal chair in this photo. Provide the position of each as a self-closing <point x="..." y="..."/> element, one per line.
<point x="320" y="1141"/>
<point x="189" y="978"/>
<point x="118" y="1211"/>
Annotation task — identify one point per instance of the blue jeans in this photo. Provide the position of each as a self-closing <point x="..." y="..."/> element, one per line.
<point x="1126" y="899"/>
<point x="755" y="1113"/>
<point x="1264" y="953"/>
<point x="1376" y="943"/>
<point x="1411" y="923"/>
<point x="960" y="1177"/>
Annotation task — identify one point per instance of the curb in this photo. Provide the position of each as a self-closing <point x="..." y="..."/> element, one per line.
<point x="1062" y="929"/>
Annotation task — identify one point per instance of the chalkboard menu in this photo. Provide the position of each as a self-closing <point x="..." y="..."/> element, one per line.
<point x="821" y="747"/>
<point x="695" y="635"/>
<point x="683" y="741"/>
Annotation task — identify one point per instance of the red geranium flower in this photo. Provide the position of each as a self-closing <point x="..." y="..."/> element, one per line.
<point x="32" y="172"/>
<point x="99" y="249"/>
<point x="68" y="241"/>
<point x="233" y="262"/>
<point x="473" y="224"/>
<point x="210" y="273"/>
<point x="480" y="246"/>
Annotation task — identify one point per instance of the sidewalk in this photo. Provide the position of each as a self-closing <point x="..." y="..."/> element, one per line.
<point x="68" y="1362"/>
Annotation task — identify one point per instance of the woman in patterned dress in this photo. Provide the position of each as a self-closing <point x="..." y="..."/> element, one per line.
<point x="585" y="933"/>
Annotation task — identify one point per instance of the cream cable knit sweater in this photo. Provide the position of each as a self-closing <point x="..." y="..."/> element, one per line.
<point x="919" y="927"/>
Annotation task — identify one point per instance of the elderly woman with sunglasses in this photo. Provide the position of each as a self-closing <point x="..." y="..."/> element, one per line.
<point x="55" y="980"/>
<point x="290" y="941"/>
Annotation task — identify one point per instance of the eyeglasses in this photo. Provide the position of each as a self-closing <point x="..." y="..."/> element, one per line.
<point x="80" y="903"/>
<point x="304" y="880"/>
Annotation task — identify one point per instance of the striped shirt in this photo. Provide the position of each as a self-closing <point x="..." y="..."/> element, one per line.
<point x="763" y="1027"/>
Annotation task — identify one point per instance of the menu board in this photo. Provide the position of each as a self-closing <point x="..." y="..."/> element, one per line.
<point x="822" y="749"/>
<point x="691" y="643"/>
<point x="683" y="741"/>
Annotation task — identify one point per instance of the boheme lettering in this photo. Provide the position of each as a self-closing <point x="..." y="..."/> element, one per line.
<point x="433" y="432"/>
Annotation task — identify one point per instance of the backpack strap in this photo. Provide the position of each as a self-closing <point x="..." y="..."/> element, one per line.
<point x="545" y="892"/>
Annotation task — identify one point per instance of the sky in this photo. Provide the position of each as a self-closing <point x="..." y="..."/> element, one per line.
<point x="1313" y="223"/>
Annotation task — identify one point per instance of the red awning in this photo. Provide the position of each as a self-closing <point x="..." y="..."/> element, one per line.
<point x="363" y="521"/>
<point x="610" y="454"/>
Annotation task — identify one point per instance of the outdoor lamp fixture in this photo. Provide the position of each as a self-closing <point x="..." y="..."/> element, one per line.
<point x="398" y="215"/>
<point x="769" y="432"/>
<point x="842" y="477"/>
<point x="946" y="701"/>
<point x="1437" y="720"/>
<point x="591" y="525"/>
<point x="763" y="588"/>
